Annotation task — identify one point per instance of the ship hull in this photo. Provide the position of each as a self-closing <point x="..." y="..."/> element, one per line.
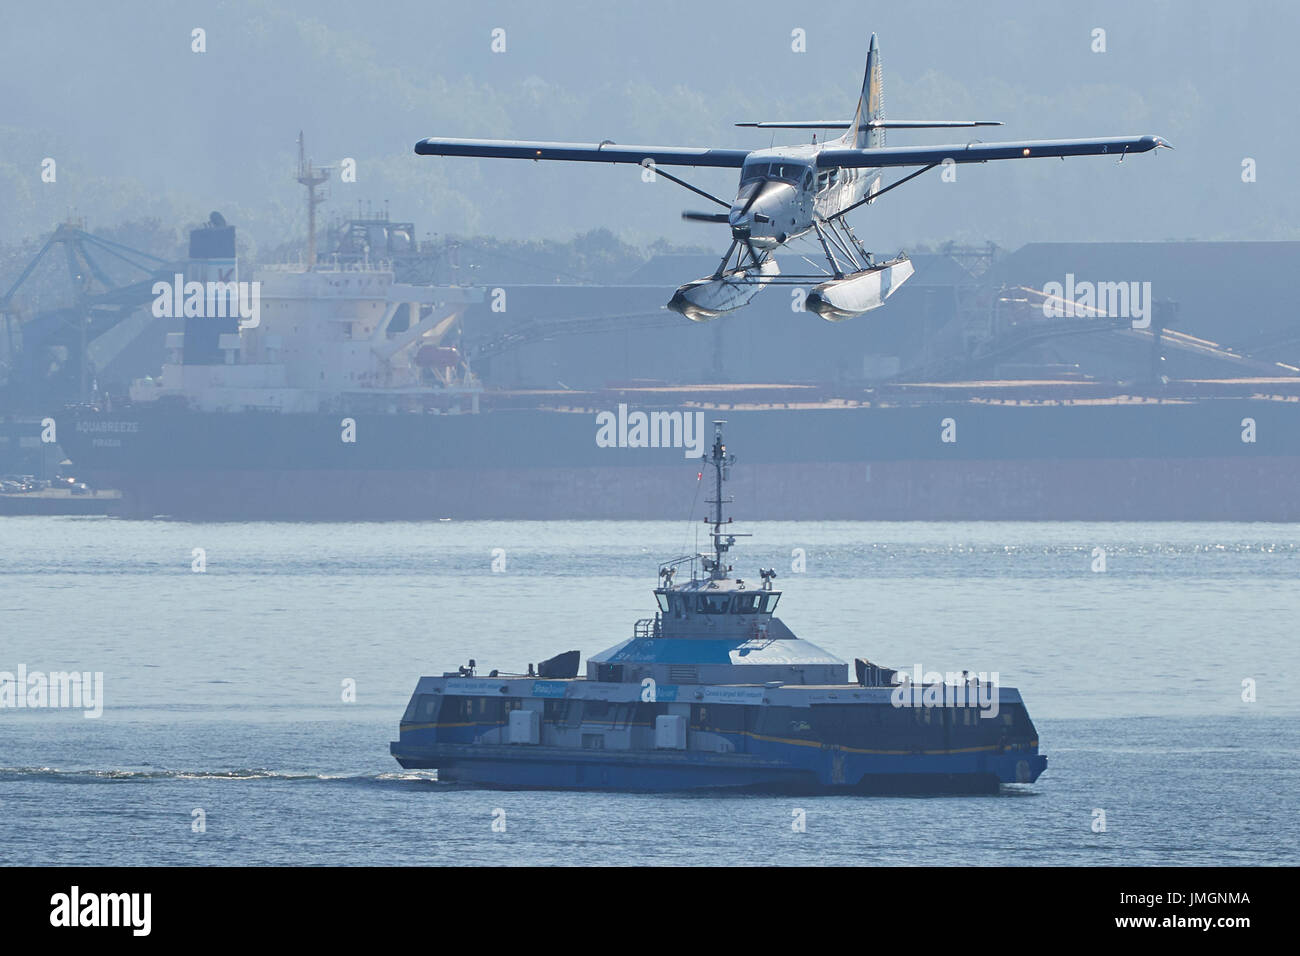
<point x="1130" y="490"/>
<point x="1140" y="462"/>
<point x="824" y="771"/>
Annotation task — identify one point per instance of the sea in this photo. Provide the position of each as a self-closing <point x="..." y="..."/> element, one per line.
<point x="253" y="675"/>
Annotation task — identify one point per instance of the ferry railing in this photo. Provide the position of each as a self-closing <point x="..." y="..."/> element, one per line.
<point x="647" y="627"/>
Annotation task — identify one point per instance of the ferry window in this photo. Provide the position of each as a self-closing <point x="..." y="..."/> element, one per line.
<point x="713" y="603"/>
<point x="663" y="602"/>
<point x="746" y="603"/>
<point x="769" y="602"/>
<point x="555" y="710"/>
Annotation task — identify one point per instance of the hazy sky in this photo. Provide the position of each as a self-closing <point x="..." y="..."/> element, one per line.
<point x="141" y="125"/>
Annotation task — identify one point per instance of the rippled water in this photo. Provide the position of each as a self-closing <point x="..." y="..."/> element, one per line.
<point x="223" y="688"/>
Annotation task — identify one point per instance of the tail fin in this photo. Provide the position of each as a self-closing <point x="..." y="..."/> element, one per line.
<point x="871" y="105"/>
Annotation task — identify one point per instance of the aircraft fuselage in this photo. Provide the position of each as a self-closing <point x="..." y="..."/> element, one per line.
<point x="792" y="192"/>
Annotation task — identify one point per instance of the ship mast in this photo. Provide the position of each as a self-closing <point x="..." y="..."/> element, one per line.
<point x="722" y="543"/>
<point x="311" y="177"/>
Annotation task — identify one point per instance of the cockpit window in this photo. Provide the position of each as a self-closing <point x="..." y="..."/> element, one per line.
<point x="790" y="172"/>
<point x="713" y="603"/>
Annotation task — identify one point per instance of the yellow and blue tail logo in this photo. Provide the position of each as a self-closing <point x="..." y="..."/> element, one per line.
<point x="871" y="105"/>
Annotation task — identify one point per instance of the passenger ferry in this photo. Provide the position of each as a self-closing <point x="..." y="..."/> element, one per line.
<point x="716" y="691"/>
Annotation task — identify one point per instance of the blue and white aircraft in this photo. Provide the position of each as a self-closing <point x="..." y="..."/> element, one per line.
<point x="788" y="192"/>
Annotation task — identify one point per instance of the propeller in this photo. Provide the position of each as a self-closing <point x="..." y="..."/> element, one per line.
<point x="690" y="216"/>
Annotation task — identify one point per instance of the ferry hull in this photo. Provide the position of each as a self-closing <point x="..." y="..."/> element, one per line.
<point x="820" y="771"/>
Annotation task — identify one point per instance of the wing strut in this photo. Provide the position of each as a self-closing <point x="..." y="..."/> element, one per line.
<point x="681" y="182"/>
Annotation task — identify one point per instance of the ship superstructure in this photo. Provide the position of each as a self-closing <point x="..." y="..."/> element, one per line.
<point x="348" y="338"/>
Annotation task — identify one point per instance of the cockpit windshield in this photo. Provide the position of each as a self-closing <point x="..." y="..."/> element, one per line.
<point x="789" y="172"/>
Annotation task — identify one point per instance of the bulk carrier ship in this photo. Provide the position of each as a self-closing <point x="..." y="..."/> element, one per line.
<point x="353" y="398"/>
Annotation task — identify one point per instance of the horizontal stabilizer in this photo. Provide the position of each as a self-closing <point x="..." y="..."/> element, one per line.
<point x="799" y="124"/>
<point x="931" y="124"/>
<point x="874" y="124"/>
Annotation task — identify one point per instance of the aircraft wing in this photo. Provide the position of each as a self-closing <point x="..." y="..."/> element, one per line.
<point x="605" y="152"/>
<point x="983" y="152"/>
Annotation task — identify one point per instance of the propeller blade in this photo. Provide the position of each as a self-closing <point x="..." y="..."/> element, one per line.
<point x="758" y="188"/>
<point x="690" y="216"/>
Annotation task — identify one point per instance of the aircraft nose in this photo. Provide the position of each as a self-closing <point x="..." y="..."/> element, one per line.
<point x="756" y="205"/>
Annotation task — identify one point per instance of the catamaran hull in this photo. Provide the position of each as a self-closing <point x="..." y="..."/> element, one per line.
<point x="514" y="767"/>
<point x="841" y="299"/>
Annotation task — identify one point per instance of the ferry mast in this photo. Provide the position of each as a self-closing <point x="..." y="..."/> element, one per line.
<point x="722" y="543"/>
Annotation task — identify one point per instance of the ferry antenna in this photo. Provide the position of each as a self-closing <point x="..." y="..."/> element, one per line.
<point x="721" y="463"/>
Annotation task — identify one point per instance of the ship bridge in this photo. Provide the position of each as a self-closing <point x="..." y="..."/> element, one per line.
<point x="715" y="627"/>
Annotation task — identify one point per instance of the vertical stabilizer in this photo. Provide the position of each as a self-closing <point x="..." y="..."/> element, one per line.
<point x="871" y="105"/>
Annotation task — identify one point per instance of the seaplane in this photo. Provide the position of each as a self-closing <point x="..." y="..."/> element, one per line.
<point x="787" y="193"/>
